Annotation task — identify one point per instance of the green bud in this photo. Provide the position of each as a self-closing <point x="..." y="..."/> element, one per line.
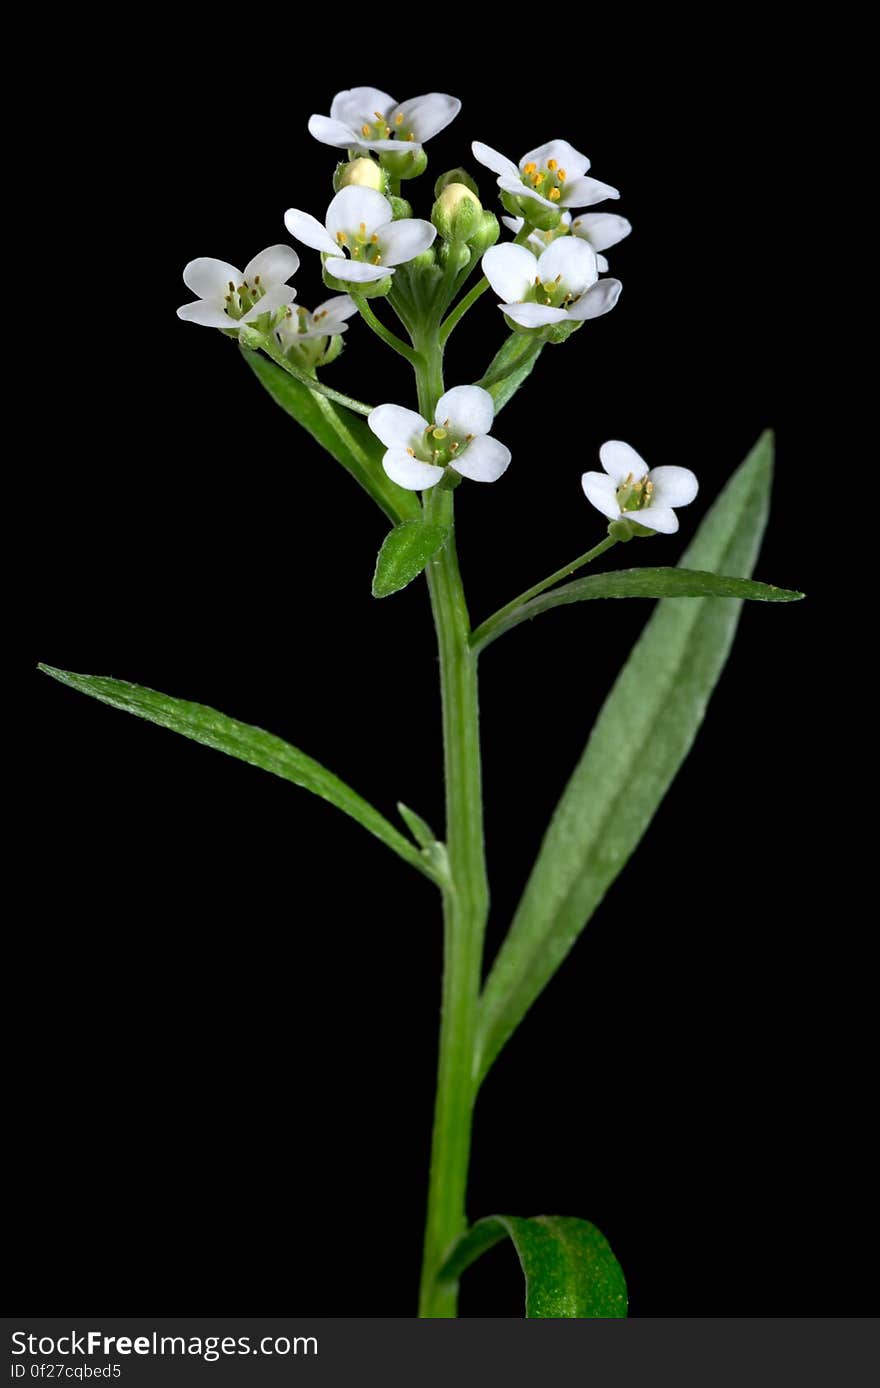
<point x="620" y="530"/>
<point x="426" y="261"/>
<point x="408" y="164"/>
<point x="456" y="252"/>
<point x="457" y="213"/>
<point x="400" y="209"/>
<point x="360" y="173"/>
<point x="455" y="176"/>
<point x="486" y="234"/>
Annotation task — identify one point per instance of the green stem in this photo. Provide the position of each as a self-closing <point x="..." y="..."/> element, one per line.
<point x="314" y="385"/>
<point x="269" y="347"/>
<point x="462" y="307"/>
<point x="387" y="336"/>
<point x="483" y="633"/>
<point x="466" y="899"/>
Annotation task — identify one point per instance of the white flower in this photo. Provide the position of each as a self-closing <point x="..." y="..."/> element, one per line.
<point x="552" y="174"/>
<point x="600" y="229"/>
<point x="419" y="453"/>
<point x="359" y="220"/>
<point x="627" y="490"/>
<point x="560" y="285"/>
<point x="327" y="320"/>
<point x="229" y="297"/>
<point x="366" y="118"/>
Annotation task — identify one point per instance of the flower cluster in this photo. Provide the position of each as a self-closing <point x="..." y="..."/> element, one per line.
<point x="547" y="281"/>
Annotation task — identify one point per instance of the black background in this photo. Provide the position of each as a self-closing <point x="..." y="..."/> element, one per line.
<point x="227" y="992"/>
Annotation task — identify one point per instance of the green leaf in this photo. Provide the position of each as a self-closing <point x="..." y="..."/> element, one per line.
<point x="640" y="583"/>
<point x="512" y="364"/>
<point x="643" y="734"/>
<point x="568" y="1265"/>
<point x="404" y="554"/>
<point x="343" y="434"/>
<point x="419" y="828"/>
<point x="248" y="744"/>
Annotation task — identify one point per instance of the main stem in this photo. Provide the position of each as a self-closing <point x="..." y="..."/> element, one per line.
<point x="466" y="900"/>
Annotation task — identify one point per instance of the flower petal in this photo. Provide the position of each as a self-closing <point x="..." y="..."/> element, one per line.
<point x="514" y="224"/>
<point x="601" y="229"/>
<point x="601" y="491"/>
<point x="339" y="307"/>
<point x="660" y="518"/>
<point x="210" y="278"/>
<point x="396" y="426"/>
<point x="409" y="472"/>
<point x="598" y="300"/>
<point x="358" y="106"/>
<point x="534" y="315"/>
<point x="354" y="207"/>
<point x="620" y="460"/>
<point x="673" y="486"/>
<point x="572" y="261"/>
<point x="567" y="157"/>
<point x="209" y="314"/>
<point x="583" y="192"/>
<point x="426" y="116"/>
<point x="273" y="265"/>
<point x="466" y="409"/>
<point x="332" y="132"/>
<point x="514" y="185"/>
<point x="602" y="264"/>
<point x="309" y="231"/>
<point x="491" y="159"/>
<point x="510" y="270"/>
<point x="404" y="240"/>
<point x="272" y="300"/>
<point x="484" y="460"/>
<point x="357" y="271"/>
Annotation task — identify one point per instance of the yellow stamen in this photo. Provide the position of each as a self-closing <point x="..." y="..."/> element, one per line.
<point x="376" y="258"/>
<point x="468" y="437"/>
<point x="365" y="130"/>
<point x="375" y="237"/>
<point x="411" y="452"/>
<point x="341" y="237"/>
<point x="256" y="279"/>
<point x="562" y="175"/>
<point x="410" y="136"/>
<point x="551" y="164"/>
<point x="554" y="195"/>
<point x="398" y="119"/>
<point x="530" y="168"/>
<point x="363" y="229"/>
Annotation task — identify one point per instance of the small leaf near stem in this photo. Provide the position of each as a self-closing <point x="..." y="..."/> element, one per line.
<point x="388" y="337"/>
<point x="272" y="350"/>
<point x="483" y="634"/>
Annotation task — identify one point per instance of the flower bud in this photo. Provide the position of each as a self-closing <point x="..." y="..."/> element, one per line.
<point x="360" y="173"/>
<point x="455" y="176"/>
<point x="408" y="164"/>
<point x="400" y="208"/>
<point x="486" y="234"/>
<point x="457" y="253"/>
<point x="457" y="213"/>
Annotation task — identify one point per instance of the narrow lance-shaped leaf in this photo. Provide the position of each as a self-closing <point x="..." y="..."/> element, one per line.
<point x="248" y="744"/>
<point x="343" y="434"/>
<point x="511" y="366"/>
<point x="405" y="552"/>
<point x="568" y="1265"/>
<point x="637" y="583"/>
<point x="643" y="734"/>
